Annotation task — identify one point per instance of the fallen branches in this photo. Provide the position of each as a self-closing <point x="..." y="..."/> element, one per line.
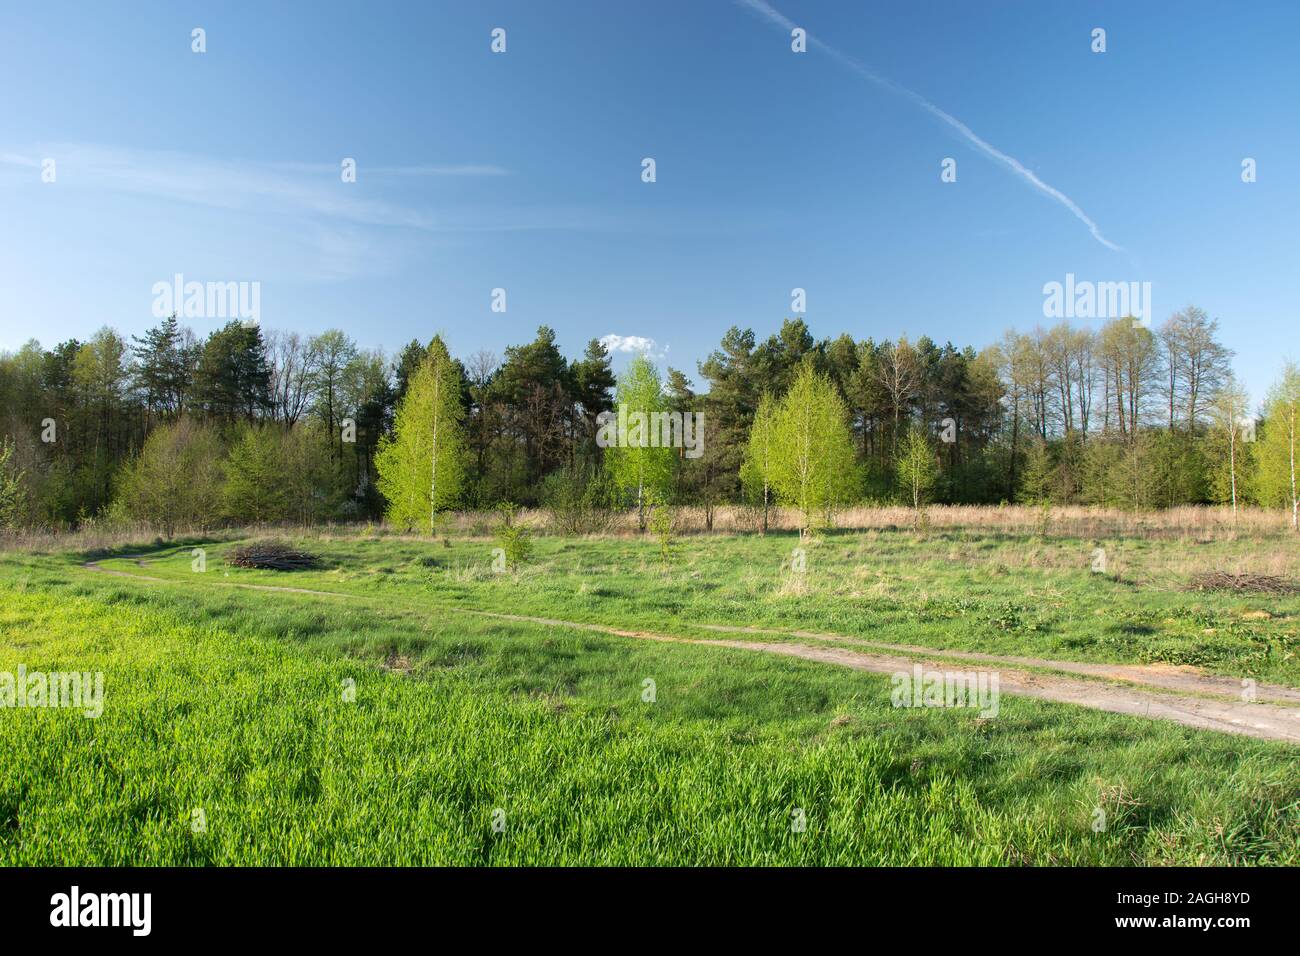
<point x="1243" y="583"/>
<point x="272" y="556"/>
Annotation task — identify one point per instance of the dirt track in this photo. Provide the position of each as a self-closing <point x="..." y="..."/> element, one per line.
<point x="1181" y="694"/>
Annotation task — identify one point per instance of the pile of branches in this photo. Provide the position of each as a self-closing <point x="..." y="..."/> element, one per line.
<point x="272" y="556"/>
<point x="1243" y="583"/>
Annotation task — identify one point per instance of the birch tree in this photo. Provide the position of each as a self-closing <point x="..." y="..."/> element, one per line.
<point x="421" y="467"/>
<point x="916" y="469"/>
<point x="1228" y="412"/>
<point x="813" y="467"/>
<point x="637" y="458"/>
<point x="756" y="470"/>
<point x="1277" y="453"/>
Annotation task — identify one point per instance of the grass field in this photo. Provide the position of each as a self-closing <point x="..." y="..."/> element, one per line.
<point x="479" y="740"/>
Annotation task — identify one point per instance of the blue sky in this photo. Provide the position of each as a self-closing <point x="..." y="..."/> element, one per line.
<point x="523" y="170"/>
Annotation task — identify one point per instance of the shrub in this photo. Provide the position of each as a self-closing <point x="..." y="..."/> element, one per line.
<point x="514" y="540"/>
<point x="578" y="500"/>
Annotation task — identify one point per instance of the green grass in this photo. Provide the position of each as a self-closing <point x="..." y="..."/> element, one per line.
<point x="961" y="590"/>
<point x="230" y="700"/>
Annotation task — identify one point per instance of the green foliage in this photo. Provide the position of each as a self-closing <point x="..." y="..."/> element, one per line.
<point x="12" y="504"/>
<point x="661" y="526"/>
<point x="176" y="480"/>
<point x="422" y="466"/>
<point x="1131" y="418"/>
<point x="639" y="460"/>
<point x="232" y="379"/>
<point x="515" y="541"/>
<point x="579" y="499"/>
<point x="916" y="467"/>
<point x="757" y="467"/>
<point x="813" y="467"/>
<point x="1178" y="468"/>
<point x="1038" y="479"/>
<point x="257" y="488"/>
<point x="1279" y="448"/>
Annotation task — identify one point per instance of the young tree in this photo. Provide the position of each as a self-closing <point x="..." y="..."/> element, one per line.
<point x="757" y="467"/>
<point x="421" y="467"/>
<point x="637" y="459"/>
<point x="256" y="489"/>
<point x="916" y="468"/>
<point x="1277" y="452"/>
<point x="813" y="467"/>
<point x="315" y="482"/>
<point x="11" y="488"/>
<point x="1230" y="429"/>
<point x="176" y="479"/>
<point x="1036" y="484"/>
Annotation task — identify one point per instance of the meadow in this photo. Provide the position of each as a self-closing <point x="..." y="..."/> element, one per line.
<point x="386" y="708"/>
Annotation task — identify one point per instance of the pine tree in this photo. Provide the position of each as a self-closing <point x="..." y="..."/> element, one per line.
<point x="256" y="488"/>
<point x="161" y="371"/>
<point x="1039" y="475"/>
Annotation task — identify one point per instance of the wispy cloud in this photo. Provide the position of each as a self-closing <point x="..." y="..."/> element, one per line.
<point x="468" y="170"/>
<point x="774" y="16"/>
<point x="279" y="188"/>
<point x="308" y="192"/>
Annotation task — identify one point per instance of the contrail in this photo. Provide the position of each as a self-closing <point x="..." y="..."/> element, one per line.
<point x="775" y="16"/>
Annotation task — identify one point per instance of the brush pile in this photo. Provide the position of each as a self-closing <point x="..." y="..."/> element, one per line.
<point x="1243" y="583"/>
<point x="272" y="556"/>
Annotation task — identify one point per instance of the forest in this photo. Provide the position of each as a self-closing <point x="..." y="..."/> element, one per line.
<point x="251" y="425"/>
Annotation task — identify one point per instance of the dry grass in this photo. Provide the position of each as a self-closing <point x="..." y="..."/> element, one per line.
<point x="1193" y="524"/>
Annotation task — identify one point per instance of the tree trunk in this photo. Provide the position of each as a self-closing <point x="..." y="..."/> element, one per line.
<point x="1232" y="466"/>
<point x="433" y="480"/>
<point x="1295" y="514"/>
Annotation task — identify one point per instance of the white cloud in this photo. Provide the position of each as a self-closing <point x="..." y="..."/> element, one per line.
<point x="633" y="343"/>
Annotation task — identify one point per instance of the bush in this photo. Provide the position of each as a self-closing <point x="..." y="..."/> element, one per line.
<point x="175" y="481"/>
<point x="661" y="526"/>
<point x="578" y="500"/>
<point x="514" y="540"/>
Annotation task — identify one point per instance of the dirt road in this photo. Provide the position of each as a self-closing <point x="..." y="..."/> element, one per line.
<point x="1180" y="694"/>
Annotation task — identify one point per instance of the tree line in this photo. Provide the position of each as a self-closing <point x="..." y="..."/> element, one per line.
<point x="248" y="425"/>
